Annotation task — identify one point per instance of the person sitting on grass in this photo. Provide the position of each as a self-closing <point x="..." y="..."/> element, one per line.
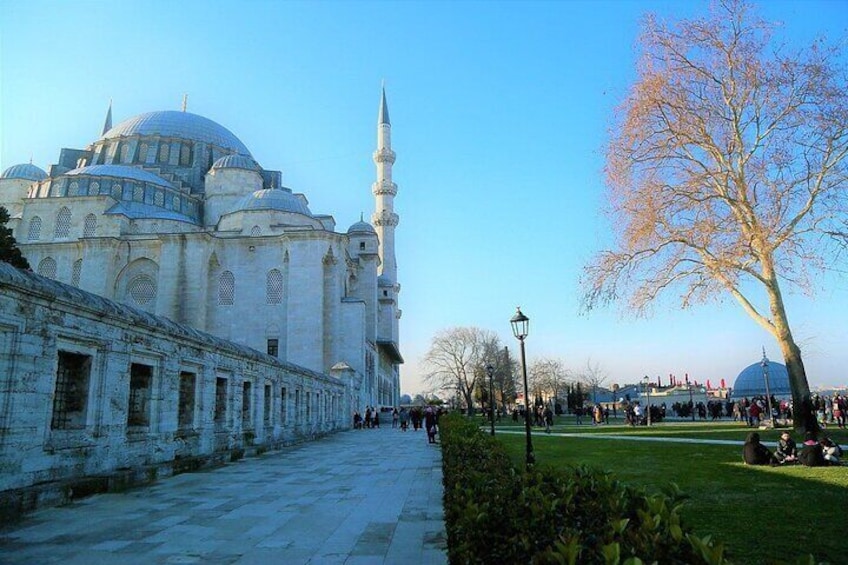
<point x="830" y="450"/>
<point x="811" y="454"/>
<point x="787" y="451"/>
<point x="755" y="453"/>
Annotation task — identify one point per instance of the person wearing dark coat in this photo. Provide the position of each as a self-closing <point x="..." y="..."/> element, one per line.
<point x="787" y="451"/>
<point x="755" y="453"/>
<point x="811" y="454"/>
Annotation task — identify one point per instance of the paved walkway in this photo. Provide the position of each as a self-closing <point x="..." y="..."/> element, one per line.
<point x="357" y="497"/>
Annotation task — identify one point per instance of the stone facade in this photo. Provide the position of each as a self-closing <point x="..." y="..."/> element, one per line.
<point x="169" y="213"/>
<point x="90" y="388"/>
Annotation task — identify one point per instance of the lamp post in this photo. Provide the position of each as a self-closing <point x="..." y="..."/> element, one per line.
<point x="520" y="328"/>
<point x="648" y="392"/>
<point x="491" y="371"/>
<point x="765" y="364"/>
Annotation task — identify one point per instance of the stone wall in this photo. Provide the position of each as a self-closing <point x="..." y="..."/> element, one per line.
<point x="97" y="395"/>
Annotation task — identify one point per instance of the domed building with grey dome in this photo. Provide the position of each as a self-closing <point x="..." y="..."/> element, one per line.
<point x="169" y="212"/>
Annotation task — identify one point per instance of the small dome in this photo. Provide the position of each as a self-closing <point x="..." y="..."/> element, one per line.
<point x="362" y="227"/>
<point x="26" y="171"/>
<point x="121" y="172"/>
<point x="235" y="162"/>
<point x="279" y="199"/>
<point x="180" y="125"/>
<point x="751" y="381"/>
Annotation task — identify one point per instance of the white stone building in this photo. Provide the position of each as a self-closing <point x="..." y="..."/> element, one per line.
<point x="169" y="213"/>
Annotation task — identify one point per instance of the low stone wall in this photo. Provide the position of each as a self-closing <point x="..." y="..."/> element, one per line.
<point x="96" y="396"/>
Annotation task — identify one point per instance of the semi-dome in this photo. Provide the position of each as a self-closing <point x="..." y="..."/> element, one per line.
<point x="235" y="162"/>
<point x="180" y="125"/>
<point x="362" y="227"/>
<point x="121" y="172"/>
<point x="26" y="171"/>
<point x="751" y="381"/>
<point x="278" y="199"/>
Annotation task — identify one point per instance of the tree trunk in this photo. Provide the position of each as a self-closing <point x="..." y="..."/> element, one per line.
<point x="803" y="415"/>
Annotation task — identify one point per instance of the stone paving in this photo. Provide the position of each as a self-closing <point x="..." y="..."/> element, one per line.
<point x="357" y="497"/>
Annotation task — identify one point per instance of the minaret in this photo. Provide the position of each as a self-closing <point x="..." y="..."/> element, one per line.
<point x="384" y="190"/>
<point x="107" y="124"/>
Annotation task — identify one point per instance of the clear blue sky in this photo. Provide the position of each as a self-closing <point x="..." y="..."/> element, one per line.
<point x="499" y="113"/>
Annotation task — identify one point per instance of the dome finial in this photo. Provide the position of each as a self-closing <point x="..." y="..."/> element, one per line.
<point x="185" y="101"/>
<point x="107" y="125"/>
<point x="361" y="215"/>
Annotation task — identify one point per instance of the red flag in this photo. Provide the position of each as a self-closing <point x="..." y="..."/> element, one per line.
<point x="722" y="383"/>
<point x="709" y="386"/>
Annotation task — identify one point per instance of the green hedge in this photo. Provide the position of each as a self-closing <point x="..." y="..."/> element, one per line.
<point x="497" y="514"/>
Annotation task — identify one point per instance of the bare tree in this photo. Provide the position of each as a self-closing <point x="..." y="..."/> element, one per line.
<point x="593" y="376"/>
<point x="548" y="376"/>
<point x="457" y="359"/>
<point x="727" y="174"/>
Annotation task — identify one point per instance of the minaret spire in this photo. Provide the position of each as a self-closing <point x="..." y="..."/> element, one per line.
<point x="385" y="220"/>
<point x="107" y="125"/>
<point x="185" y="101"/>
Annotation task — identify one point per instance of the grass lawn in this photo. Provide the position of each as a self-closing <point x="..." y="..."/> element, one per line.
<point x="762" y="514"/>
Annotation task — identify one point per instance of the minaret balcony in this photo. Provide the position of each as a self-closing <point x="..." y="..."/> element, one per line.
<point x="385" y="218"/>
<point x="384" y="155"/>
<point x="384" y="187"/>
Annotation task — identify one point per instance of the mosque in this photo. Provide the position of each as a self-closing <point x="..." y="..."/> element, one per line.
<point x="169" y="213"/>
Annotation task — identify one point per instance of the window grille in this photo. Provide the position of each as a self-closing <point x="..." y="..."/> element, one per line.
<point x="93" y="188"/>
<point x="75" y="272"/>
<point x="274" y="287"/>
<point x="89" y="226"/>
<point x="266" y="407"/>
<point x="117" y="191"/>
<point x="164" y="153"/>
<point x="226" y="288"/>
<point x="255" y="231"/>
<point x="138" y="193"/>
<point x="142" y="153"/>
<point x="125" y="154"/>
<point x="175" y="206"/>
<point x="34" y="229"/>
<point x="47" y="268"/>
<point x="245" y="405"/>
<point x="220" y="401"/>
<point x="138" y="410"/>
<point x="73" y="189"/>
<point x="71" y="394"/>
<point x="142" y="289"/>
<point x="63" y="223"/>
<point x="159" y="198"/>
<point x="185" y="155"/>
<point x="185" y="417"/>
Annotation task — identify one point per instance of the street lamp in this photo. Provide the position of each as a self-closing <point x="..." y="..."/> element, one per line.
<point x="648" y="391"/>
<point x="520" y="328"/>
<point x="691" y="401"/>
<point x="765" y="364"/>
<point x="491" y="371"/>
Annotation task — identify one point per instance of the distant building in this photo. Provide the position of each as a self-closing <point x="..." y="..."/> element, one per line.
<point x="752" y="382"/>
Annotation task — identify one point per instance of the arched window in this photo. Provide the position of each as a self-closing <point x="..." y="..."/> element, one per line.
<point x="73" y="189"/>
<point x="90" y="226"/>
<point x="94" y="188"/>
<point x="164" y="153"/>
<point x="63" y="223"/>
<point x="185" y="154"/>
<point x="75" y="273"/>
<point x="117" y="191"/>
<point x="142" y="153"/>
<point x="255" y="231"/>
<point x="34" y="229"/>
<point x="142" y="290"/>
<point x="226" y="288"/>
<point x="138" y="193"/>
<point x="274" y="287"/>
<point x="125" y="153"/>
<point x="47" y="268"/>
<point x="159" y="198"/>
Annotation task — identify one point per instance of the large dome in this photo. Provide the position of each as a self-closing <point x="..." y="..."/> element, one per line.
<point x="751" y="381"/>
<point x="26" y="171"/>
<point x="181" y="125"/>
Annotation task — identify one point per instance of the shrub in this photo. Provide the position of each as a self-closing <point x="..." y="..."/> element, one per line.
<point x="495" y="513"/>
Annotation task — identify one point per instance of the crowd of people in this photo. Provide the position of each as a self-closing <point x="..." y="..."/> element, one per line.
<point x="421" y="417"/>
<point x="812" y="453"/>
